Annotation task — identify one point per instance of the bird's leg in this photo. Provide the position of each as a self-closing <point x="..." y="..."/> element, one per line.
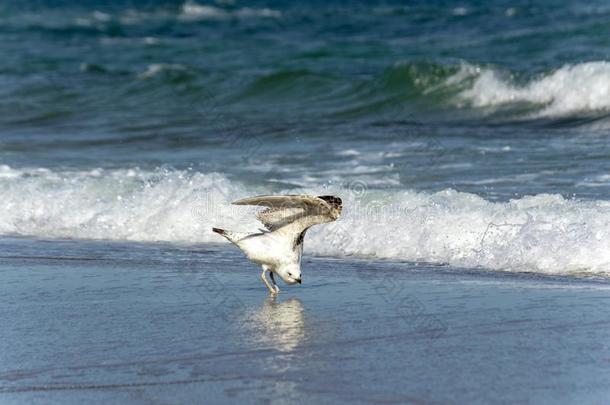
<point x="277" y="289"/>
<point x="271" y="290"/>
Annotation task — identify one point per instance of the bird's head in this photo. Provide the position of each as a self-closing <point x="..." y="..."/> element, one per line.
<point x="335" y="203"/>
<point x="291" y="274"/>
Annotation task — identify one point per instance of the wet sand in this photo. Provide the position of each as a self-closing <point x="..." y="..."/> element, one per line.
<point x="99" y="322"/>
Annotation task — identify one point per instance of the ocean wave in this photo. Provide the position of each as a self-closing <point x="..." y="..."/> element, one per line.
<point x="543" y="233"/>
<point x="157" y="69"/>
<point x="580" y="92"/>
<point x="571" y="90"/>
<point x="577" y="95"/>
<point x="195" y="11"/>
<point x="116" y="18"/>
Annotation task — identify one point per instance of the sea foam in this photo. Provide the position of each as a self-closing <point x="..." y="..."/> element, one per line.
<point x="543" y="233"/>
<point x="195" y="11"/>
<point x="569" y="90"/>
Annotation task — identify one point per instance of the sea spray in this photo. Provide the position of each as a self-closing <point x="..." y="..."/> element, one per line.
<point x="544" y="233"/>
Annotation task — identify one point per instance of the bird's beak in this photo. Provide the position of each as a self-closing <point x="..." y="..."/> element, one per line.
<point x="298" y="280"/>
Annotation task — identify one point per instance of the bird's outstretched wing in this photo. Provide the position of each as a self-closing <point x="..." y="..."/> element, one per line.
<point x="297" y="211"/>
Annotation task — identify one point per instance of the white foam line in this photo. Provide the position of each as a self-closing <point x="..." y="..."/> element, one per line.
<point x="543" y="233"/>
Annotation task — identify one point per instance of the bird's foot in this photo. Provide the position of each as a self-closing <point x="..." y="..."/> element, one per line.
<point x="274" y="290"/>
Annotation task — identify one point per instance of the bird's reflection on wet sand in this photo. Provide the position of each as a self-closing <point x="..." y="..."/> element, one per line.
<point x="279" y="324"/>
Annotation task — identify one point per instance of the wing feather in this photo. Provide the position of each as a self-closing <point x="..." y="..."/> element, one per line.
<point x="283" y="201"/>
<point x="302" y="210"/>
<point x="275" y="218"/>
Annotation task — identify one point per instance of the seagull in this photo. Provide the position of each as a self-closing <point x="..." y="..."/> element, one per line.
<point x="278" y="249"/>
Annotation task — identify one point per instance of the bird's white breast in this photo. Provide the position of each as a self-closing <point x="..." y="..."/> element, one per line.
<point x="271" y="248"/>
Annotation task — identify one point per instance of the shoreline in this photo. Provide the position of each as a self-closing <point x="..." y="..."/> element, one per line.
<point x="144" y="323"/>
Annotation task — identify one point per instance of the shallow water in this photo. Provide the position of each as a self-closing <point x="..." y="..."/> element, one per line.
<point x="138" y="323"/>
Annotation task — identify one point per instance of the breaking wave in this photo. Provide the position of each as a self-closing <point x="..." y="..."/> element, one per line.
<point x="571" y="90"/>
<point x="543" y="233"/>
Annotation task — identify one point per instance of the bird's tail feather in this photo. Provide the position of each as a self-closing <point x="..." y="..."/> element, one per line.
<point x="219" y="231"/>
<point x="232" y="236"/>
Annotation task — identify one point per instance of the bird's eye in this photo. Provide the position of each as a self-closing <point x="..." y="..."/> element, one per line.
<point x="290" y="274"/>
